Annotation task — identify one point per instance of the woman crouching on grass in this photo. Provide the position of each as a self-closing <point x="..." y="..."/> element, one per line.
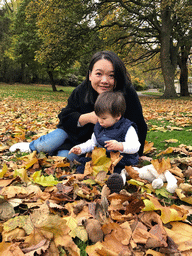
<point x="106" y="72"/>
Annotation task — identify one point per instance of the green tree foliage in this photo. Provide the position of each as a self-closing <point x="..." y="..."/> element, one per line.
<point x="4" y="41"/>
<point x="64" y="28"/>
<point x="25" y="43"/>
<point x="157" y="26"/>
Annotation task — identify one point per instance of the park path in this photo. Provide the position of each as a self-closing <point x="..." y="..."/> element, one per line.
<point x="141" y="93"/>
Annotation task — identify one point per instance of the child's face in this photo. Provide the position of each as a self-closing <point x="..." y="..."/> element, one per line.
<point x="107" y="120"/>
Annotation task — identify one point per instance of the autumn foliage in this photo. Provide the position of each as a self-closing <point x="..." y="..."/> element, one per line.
<point x="45" y="207"/>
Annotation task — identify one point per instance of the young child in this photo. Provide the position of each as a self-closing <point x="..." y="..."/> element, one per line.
<point x="112" y="132"/>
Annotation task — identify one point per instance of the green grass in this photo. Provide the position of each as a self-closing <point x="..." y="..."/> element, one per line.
<point x="158" y="137"/>
<point x="159" y="94"/>
<point x="34" y="92"/>
<point x="153" y="93"/>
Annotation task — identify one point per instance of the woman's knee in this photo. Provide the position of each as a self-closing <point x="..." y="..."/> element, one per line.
<point x="49" y="142"/>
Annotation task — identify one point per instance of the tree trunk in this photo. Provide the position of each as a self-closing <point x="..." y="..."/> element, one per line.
<point x="167" y="54"/>
<point x="50" y="73"/>
<point x="184" y="70"/>
<point x="22" y="73"/>
<point x="184" y="80"/>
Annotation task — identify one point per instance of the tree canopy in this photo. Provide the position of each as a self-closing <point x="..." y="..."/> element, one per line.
<point x="158" y="26"/>
<point x="54" y="34"/>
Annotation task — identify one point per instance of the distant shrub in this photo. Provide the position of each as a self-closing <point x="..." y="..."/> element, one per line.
<point x="138" y="84"/>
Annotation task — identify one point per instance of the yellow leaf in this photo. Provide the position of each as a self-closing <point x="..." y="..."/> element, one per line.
<point x="45" y="180"/>
<point x="23" y="222"/>
<point x="22" y="173"/>
<point x="36" y="174"/>
<point x="169" y="150"/>
<point x="31" y="163"/>
<point x="100" y="162"/>
<point x="76" y="230"/>
<point x="168" y="214"/>
<point x="140" y="184"/>
<point x="3" y="171"/>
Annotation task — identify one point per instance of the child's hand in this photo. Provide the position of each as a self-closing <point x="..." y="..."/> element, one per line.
<point x="114" y="145"/>
<point x="76" y="150"/>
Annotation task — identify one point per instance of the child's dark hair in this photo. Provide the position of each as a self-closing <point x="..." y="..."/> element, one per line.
<point x="110" y="102"/>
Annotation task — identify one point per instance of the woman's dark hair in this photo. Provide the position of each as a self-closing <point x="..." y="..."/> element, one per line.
<point x="110" y="102"/>
<point x="121" y="75"/>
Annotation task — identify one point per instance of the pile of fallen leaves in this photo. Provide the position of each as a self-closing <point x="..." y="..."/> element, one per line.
<point x="45" y="206"/>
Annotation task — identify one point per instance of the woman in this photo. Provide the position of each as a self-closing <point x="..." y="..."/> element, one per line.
<point x="106" y="72"/>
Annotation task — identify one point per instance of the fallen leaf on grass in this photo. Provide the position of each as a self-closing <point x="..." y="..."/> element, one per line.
<point x="174" y="128"/>
<point x="148" y="147"/>
<point x="44" y="180"/>
<point x="6" y="211"/>
<point x="182" y="193"/>
<point x="161" y="165"/>
<point x="13" y="191"/>
<point x="76" y="230"/>
<point x="181" y="234"/>
<point x="10" y="249"/>
<point x="100" y="162"/>
<point x="167" y="151"/>
<point x="151" y="252"/>
<point x="157" y="236"/>
<point x="3" y="171"/>
<point x="168" y="214"/>
<point x="171" y="141"/>
<point x="3" y="147"/>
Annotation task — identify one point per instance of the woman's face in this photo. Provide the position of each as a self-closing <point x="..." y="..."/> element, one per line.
<point x="102" y="76"/>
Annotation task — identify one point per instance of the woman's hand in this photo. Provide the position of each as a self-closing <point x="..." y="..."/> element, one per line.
<point x="75" y="150"/>
<point x="113" y="145"/>
<point x="88" y="118"/>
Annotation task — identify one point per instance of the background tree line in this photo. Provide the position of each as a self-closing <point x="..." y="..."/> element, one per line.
<point x="52" y="41"/>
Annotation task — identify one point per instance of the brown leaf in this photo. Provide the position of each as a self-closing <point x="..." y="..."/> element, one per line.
<point x="42" y="246"/>
<point x="10" y="249"/>
<point x="161" y="165"/>
<point x="148" y="147"/>
<point x="132" y="172"/>
<point x="181" y="234"/>
<point x="94" y="230"/>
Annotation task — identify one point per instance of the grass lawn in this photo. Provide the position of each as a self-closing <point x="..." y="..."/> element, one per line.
<point x="160" y="133"/>
<point x="35" y="92"/>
